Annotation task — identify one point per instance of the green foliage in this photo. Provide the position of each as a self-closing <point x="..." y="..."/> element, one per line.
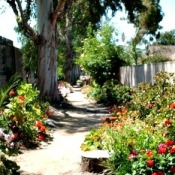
<point x="8" y="167"/>
<point x="94" y="140"/>
<point x="124" y="144"/>
<point x="29" y="51"/>
<point x="153" y="59"/>
<point x="13" y="82"/>
<point x="100" y="57"/>
<point x="111" y="93"/>
<point x="166" y="38"/>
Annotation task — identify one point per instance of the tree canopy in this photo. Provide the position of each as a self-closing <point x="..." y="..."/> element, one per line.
<point x="100" y="57"/>
<point x="77" y="15"/>
<point x="166" y="38"/>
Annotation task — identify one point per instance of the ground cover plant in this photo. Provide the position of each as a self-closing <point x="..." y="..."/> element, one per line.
<point x="140" y="135"/>
<point x="22" y="116"/>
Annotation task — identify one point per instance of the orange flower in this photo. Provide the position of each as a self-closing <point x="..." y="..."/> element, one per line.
<point x="43" y="129"/>
<point x="12" y="92"/>
<point x="38" y="124"/>
<point x="112" y="118"/>
<point x="21" y="98"/>
<point x="172" y="105"/>
<point x="123" y="110"/>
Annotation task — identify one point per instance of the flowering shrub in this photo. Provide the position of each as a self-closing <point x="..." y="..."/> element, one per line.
<point x="155" y="162"/>
<point x="20" y="111"/>
<point x="125" y="144"/>
<point x="140" y="135"/>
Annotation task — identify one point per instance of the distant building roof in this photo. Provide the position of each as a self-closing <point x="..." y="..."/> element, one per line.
<point x="168" y="51"/>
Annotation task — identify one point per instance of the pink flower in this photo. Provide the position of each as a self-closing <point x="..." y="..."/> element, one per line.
<point x="162" y="148"/>
<point x="149" y="105"/>
<point x="133" y="154"/>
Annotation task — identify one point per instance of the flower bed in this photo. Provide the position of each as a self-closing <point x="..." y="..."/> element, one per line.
<point x="140" y="135"/>
<point x="22" y="116"/>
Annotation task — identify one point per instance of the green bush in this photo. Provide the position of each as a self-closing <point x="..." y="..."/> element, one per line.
<point x="153" y="59"/>
<point x="111" y="93"/>
<point x="100" y="57"/>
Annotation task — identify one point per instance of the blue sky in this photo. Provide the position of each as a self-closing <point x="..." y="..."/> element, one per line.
<point x="8" y="22"/>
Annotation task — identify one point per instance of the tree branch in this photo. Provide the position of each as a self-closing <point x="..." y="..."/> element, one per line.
<point x="24" y="25"/>
<point x="13" y="6"/>
<point x="57" y="12"/>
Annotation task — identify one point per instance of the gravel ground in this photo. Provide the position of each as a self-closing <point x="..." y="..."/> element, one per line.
<point x="62" y="156"/>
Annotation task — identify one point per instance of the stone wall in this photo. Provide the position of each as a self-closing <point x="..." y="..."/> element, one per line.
<point x="10" y="60"/>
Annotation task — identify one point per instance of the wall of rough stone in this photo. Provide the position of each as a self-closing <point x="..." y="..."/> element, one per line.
<point x="10" y="60"/>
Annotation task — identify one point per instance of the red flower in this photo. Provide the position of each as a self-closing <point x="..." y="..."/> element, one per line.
<point x="12" y="92"/>
<point x="41" y="136"/>
<point x="49" y="113"/>
<point x="172" y="105"/>
<point x="172" y="150"/>
<point x="169" y="143"/>
<point x="38" y="124"/>
<point x="167" y="122"/>
<point x="150" y="163"/>
<point x="162" y="149"/>
<point x="158" y="173"/>
<point x="172" y="169"/>
<point x="149" y="153"/>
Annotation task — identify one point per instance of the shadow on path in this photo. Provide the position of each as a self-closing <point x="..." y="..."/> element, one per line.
<point x="78" y="115"/>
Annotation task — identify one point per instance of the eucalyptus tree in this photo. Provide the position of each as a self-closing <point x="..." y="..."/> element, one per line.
<point x="79" y="13"/>
<point x="145" y="15"/>
<point x="146" y="22"/>
<point x="47" y="12"/>
<point x="73" y="26"/>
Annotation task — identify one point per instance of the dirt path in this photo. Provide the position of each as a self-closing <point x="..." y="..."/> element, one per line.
<point x="62" y="156"/>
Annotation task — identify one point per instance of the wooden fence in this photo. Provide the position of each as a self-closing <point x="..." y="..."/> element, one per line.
<point x="132" y="75"/>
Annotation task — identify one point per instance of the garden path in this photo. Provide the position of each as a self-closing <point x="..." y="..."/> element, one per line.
<point x="62" y="156"/>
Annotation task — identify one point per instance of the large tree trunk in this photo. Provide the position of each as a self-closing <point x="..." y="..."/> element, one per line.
<point x="69" y="54"/>
<point x="47" y="51"/>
